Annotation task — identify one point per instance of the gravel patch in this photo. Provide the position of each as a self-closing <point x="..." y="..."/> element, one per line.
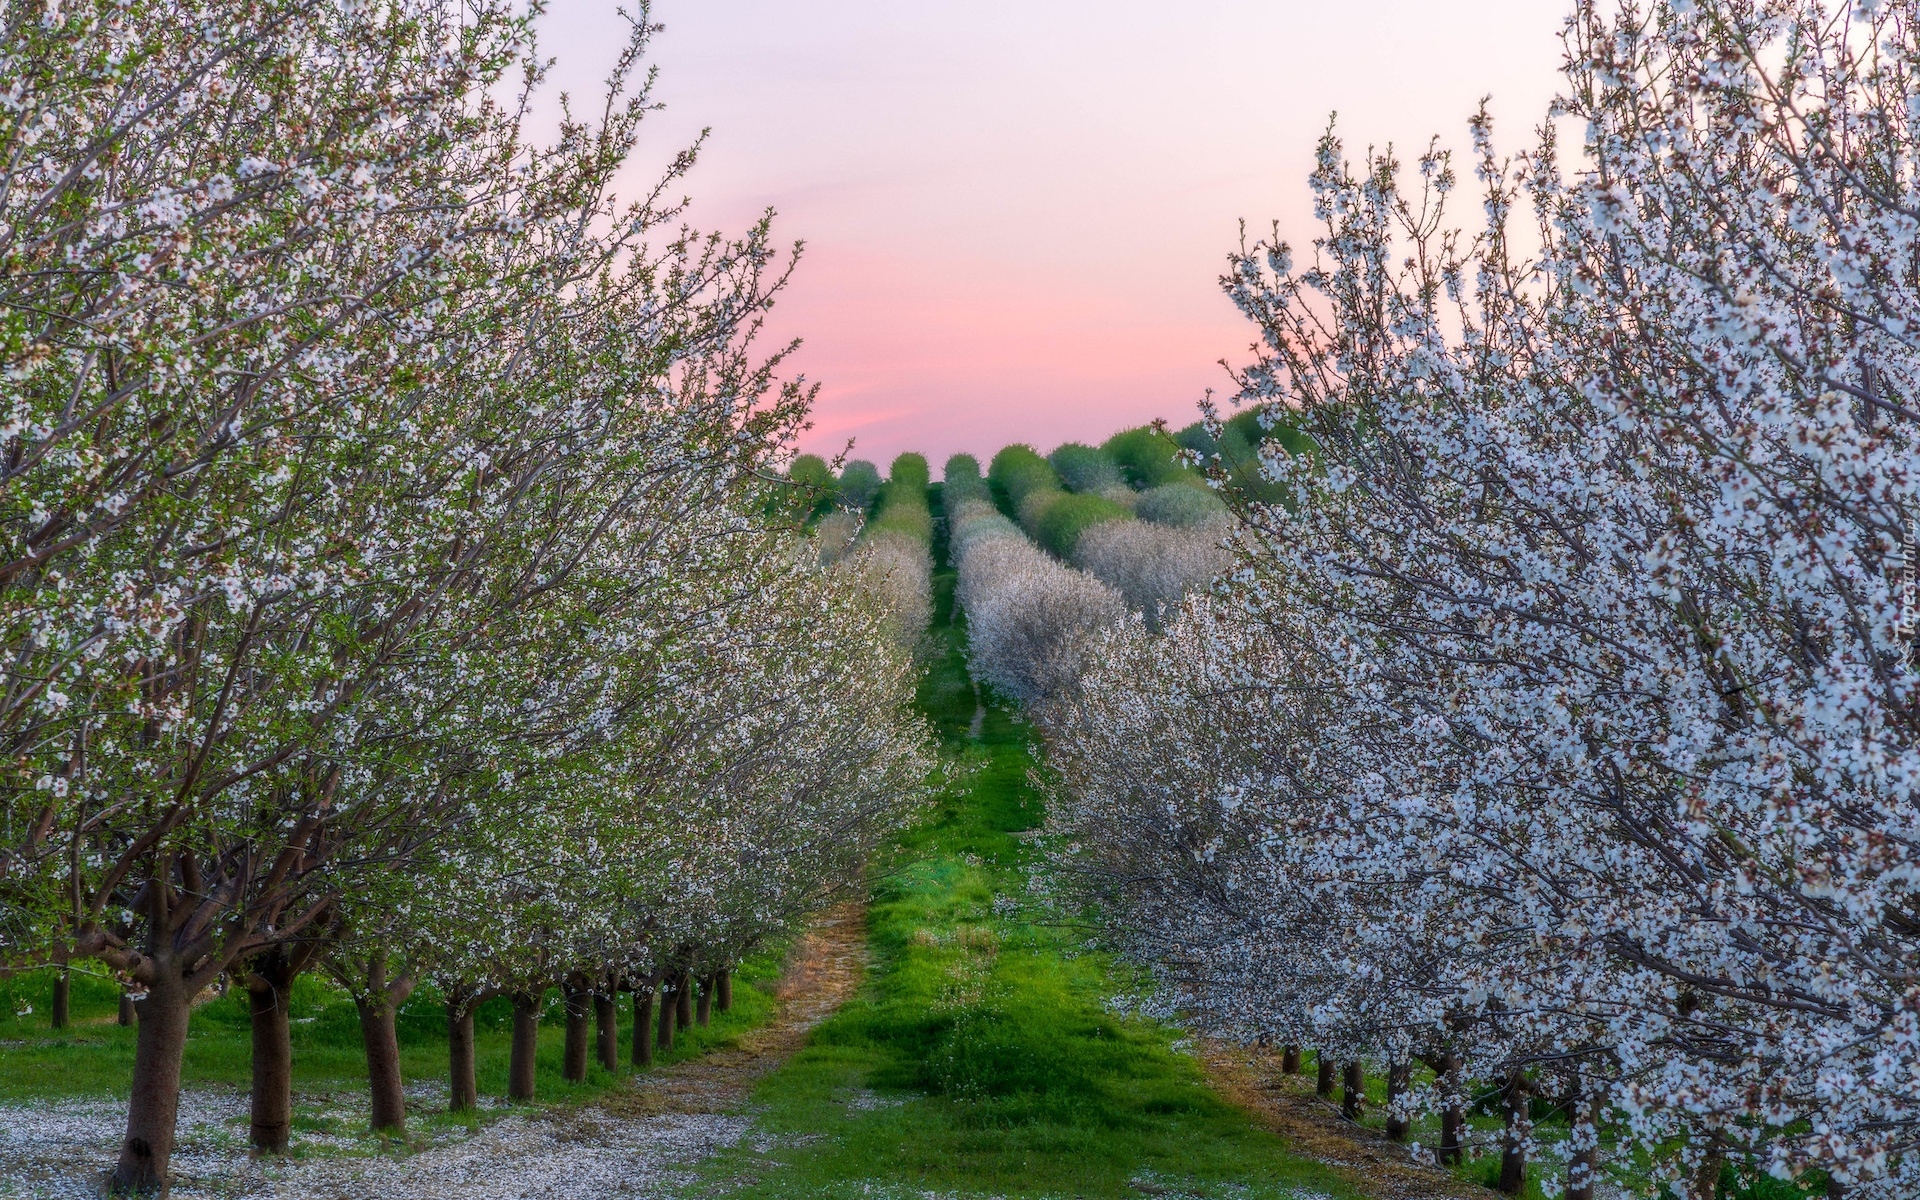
<point x="646" y="1140"/>
<point x="56" y="1151"/>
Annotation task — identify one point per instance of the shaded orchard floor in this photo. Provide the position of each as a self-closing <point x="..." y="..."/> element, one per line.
<point x="55" y="1151"/>
<point x="640" y="1136"/>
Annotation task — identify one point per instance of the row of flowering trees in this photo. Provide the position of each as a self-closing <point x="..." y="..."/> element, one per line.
<point x="1152" y="546"/>
<point x="1561" y="728"/>
<point x="892" y="548"/>
<point x="1031" y="619"/>
<point x="382" y="580"/>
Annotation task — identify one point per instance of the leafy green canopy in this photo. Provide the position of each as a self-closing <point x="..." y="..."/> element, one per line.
<point x="963" y="481"/>
<point x="1085" y="469"/>
<point x="859" y="484"/>
<point x="902" y="503"/>
<point x="813" y="488"/>
<point x="1179" y="504"/>
<point x="1058" y="524"/>
<point x="1017" y="472"/>
<point x="1148" y="456"/>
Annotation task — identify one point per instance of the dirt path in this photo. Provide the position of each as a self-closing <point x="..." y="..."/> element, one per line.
<point x="823" y="972"/>
<point x="647" y="1140"/>
<point x="1314" y="1128"/>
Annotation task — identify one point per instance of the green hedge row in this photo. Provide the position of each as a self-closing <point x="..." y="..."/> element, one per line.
<point x="1058" y="522"/>
<point x="964" y="481"/>
<point x="1238" y="447"/>
<point x="1016" y="473"/>
<point x="1149" y="456"/>
<point x="816" y="492"/>
<point x="1029" y="490"/>
<point x="860" y="484"/>
<point x="901" y="506"/>
<point x="1086" y="468"/>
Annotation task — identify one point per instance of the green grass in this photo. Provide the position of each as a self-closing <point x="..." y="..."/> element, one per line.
<point x="981" y="1057"/>
<point x="95" y="1056"/>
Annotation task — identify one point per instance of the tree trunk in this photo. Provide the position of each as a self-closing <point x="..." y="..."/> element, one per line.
<point x="1706" y="1180"/>
<point x="723" y="990"/>
<point x="126" y="1009"/>
<point x="1290" y="1060"/>
<point x="642" y="1053"/>
<point x="382" y="1042"/>
<point x="704" y="1013"/>
<point x="62" y="998"/>
<point x="269" y="986"/>
<point x="463" y="1093"/>
<point x="1583" y="1163"/>
<point x="1513" y="1149"/>
<point x="606" y="1026"/>
<point x="1353" y="1090"/>
<point x="683" y="1000"/>
<point x="1323" y="1081"/>
<point x="1399" y="1078"/>
<point x="158" y="1048"/>
<point x="1453" y="1118"/>
<point x="573" y="1065"/>
<point x="526" y="1042"/>
<point x="663" y="1037"/>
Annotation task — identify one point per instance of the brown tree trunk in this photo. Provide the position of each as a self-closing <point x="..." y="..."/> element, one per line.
<point x="1453" y="1118"/>
<point x="1399" y="1078"/>
<point x="463" y="1093"/>
<point x="723" y="990"/>
<point x="151" y="1111"/>
<point x="269" y="987"/>
<point x="1353" y="1091"/>
<point x="1583" y="1163"/>
<point x="573" y="1064"/>
<point x="663" y="1036"/>
<point x="606" y="1027"/>
<point x="1290" y="1060"/>
<point x="1323" y="1080"/>
<point x="126" y="1009"/>
<point x="62" y="1007"/>
<point x="704" y="1012"/>
<point x="382" y="1043"/>
<point x="1706" y="1180"/>
<point x="642" y="1052"/>
<point x="683" y="1000"/>
<point x="1513" y="1149"/>
<point x="526" y="1043"/>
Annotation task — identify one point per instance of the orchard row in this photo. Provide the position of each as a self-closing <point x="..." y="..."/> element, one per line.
<point x="1551" y="741"/>
<point x="386" y="577"/>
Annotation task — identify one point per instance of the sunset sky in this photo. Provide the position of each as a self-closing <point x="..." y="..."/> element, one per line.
<point x="1016" y="211"/>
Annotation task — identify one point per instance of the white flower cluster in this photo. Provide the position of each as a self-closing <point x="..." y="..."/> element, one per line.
<point x="1153" y="566"/>
<point x="1562" y="728"/>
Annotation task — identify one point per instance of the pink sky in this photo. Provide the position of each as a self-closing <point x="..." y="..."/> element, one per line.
<point x="1016" y="211"/>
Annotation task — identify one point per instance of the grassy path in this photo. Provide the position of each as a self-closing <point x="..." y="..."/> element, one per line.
<point x="982" y="1058"/>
